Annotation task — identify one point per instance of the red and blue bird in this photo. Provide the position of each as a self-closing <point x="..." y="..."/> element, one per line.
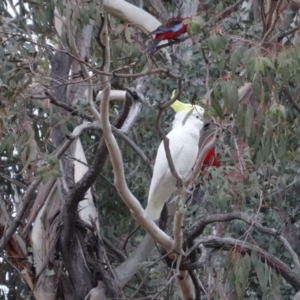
<point x="170" y="30"/>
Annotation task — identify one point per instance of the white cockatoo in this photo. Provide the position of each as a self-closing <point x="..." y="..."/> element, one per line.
<point x="183" y="144"/>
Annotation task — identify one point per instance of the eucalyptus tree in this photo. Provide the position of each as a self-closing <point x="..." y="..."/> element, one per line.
<point x="82" y="103"/>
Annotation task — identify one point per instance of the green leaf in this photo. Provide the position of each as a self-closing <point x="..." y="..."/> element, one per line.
<point x="236" y="57"/>
<point x="198" y="20"/>
<point x="217" y="107"/>
<point x="233" y="102"/>
<point x="246" y="265"/>
<point x="222" y="61"/>
<point x="55" y="173"/>
<point x="224" y="92"/>
<point x="267" y="61"/>
<point x="46" y="177"/>
<point x="254" y="257"/>
<point x="42" y="171"/>
<point x="53" y="160"/>
<point x="216" y="43"/>
<point x="247" y="55"/>
<point x="240" y="116"/>
<point x="193" y="28"/>
<point x="260" y="127"/>
<point x="259" y="66"/>
<point x="241" y="272"/>
<point x="261" y="273"/>
<point x="135" y="50"/>
<point x="249" y="119"/>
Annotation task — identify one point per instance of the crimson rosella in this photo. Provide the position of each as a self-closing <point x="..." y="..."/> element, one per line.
<point x="170" y="30"/>
<point x="211" y="159"/>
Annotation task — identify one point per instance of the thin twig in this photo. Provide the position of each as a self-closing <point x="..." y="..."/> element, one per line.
<point x="207" y="70"/>
<point x="231" y="244"/>
<point x="13" y="181"/>
<point x="249" y="220"/>
<point x="164" y="137"/>
<point x="115" y="130"/>
<point x="225" y="13"/>
<point x="161" y="258"/>
<point x="290" y="99"/>
<point x="240" y="159"/>
<point x="222" y="15"/>
<point x="113" y="73"/>
<point x="140" y="286"/>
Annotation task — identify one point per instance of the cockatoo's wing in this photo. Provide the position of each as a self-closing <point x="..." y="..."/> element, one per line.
<point x="183" y="149"/>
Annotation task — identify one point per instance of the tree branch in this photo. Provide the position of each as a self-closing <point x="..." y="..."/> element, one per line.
<point x="225" y="13"/>
<point x="247" y="219"/>
<point x="13" y="181"/>
<point x="12" y="227"/>
<point x="228" y="244"/>
<point x="117" y="163"/>
<point x="275" y="18"/>
<point x="115" y="130"/>
<point x="178" y="224"/>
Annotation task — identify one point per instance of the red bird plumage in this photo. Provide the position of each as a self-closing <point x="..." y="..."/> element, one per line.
<point x="211" y="160"/>
<point x="171" y="30"/>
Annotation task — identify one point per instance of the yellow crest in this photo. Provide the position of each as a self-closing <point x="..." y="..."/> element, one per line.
<point x="179" y="106"/>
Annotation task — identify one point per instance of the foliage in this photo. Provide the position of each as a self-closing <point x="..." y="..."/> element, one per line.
<point x="259" y="146"/>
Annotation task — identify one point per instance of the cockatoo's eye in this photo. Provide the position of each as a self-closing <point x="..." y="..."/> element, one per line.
<point x="197" y="117"/>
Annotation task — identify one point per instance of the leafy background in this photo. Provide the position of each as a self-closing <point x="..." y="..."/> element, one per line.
<point x="263" y="182"/>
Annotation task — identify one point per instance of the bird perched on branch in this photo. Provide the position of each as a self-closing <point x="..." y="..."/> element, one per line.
<point x="170" y="30"/>
<point x="183" y="145"/>
<point x="211" y="159"/>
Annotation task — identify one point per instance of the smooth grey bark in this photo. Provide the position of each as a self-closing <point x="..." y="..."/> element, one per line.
<point x="185" y="9"/>
<point x="60" y="69"/>
<point x="81" y="280"/>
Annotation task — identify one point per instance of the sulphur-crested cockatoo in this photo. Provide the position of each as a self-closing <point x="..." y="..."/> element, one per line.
<point x="183" y="144"/>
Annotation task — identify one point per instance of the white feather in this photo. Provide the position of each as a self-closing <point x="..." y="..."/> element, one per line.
<point x="183" y="144"/>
